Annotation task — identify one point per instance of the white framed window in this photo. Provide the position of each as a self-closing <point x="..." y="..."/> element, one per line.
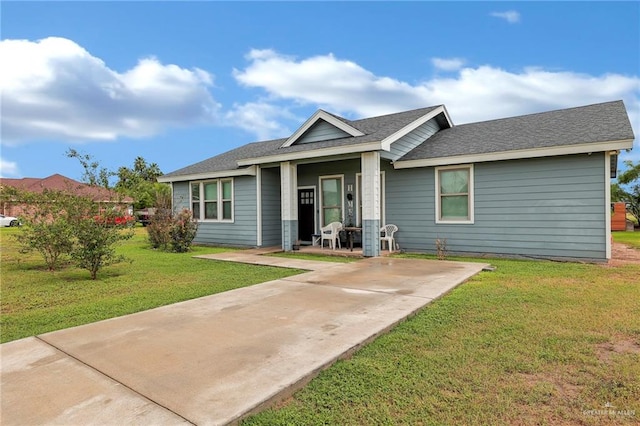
<point x="359" y="198"/>
<point x="454" y="194"/>
<point x="331" y="199"/>
<point x="212" y="200"/>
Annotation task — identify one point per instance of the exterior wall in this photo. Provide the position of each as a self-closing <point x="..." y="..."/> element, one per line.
<point x="240" y="232"/>
<point x="546" y="207"/>
<point x="322" y="131"/>
<point x="413" y="139"/>
<point x="308" y="175"/>
<point x="271" y="221"/>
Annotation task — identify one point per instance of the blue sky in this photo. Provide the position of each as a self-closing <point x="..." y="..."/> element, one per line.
<point x="178" y="82"/>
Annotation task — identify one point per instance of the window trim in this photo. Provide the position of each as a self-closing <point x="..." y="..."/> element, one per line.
<point x="219" y="200"/>
<point x="471" y="199"/>
<point x="321" y="198"/>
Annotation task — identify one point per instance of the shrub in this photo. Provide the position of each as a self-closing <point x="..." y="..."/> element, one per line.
<point x="170" y="233"/>
<point x="183" y="231"/>
<point x="159" y="229"/>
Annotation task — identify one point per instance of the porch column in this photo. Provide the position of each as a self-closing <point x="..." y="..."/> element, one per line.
<point x="289" y="204"/>
<point x="370" y="204"/>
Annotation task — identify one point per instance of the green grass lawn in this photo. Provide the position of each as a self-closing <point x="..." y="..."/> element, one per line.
<point x="34" y="301"/>
<point x="533" y="342"/>
<point x="632" y="239"/>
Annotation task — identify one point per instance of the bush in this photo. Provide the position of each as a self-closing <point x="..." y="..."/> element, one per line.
<point x="183" y="231"/>
<point x="159" y="229"/>
<point x="59" y="224"/>
<point x="170" y="233"/>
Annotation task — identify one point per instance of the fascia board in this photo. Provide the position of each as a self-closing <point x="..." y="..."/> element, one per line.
<point x="518" y="154"/>
<point x="249" y="171"/>
<point x="386" y="142"/>
<point x="320" y="114"/>
<point x="316" y="153"/>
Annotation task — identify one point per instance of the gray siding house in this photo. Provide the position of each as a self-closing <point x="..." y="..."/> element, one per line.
<point x="534" y="185"/>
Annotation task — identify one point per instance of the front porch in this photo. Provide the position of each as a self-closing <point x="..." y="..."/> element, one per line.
<point x="348" y="190"/>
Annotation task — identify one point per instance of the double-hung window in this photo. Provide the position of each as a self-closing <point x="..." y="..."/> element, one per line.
<point x="454" y="194"/>
<point x="212" y="200"/>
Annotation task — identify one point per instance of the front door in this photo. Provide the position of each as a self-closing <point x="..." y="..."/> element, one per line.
<point x="306" y="213"/>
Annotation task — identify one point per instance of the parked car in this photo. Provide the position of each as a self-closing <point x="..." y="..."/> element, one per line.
<point x="9" y="220"/>
<point x="144" y="215"/>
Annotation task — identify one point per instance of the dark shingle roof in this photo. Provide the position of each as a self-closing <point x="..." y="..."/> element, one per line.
<point x="588" y="124"/>
<point x="375" y="129"/>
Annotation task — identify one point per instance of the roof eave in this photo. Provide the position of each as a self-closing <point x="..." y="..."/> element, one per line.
<point x="583" y="148"/>
<point x="247" y="171"/>
<point x="386" y="142"/>
<point x="316" y="153"/>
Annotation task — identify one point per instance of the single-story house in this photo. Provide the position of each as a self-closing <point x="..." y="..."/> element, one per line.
<point x="535" y="185"/>
<point x="57" y="182"/>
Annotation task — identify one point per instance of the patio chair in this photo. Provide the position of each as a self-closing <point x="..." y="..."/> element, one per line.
<point x="386" y="234"/>
<point x="331" y="232"/>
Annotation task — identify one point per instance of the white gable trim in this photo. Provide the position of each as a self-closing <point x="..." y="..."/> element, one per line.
<point x="249" y="171"/>
<point x="386" y="142"/>
<point x="321" y="115"/>
<point x="584" y="148"/>
<point x="315" y="153"/>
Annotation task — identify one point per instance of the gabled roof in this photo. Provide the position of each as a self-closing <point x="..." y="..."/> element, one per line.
<point x="58" y="182"/>
<point x="598" y="127"/>
<point x="374" y="130"/>
<point x="321" y="115"/>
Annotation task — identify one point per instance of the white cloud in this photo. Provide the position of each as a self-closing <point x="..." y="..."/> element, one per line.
<point x="54" y="89"/>
<point x="260" y="118"/>
<point x="511" y="16"/>
<point x="470" y="94"/>
<point x="448" y="64"/>
<point x="8" y="168"/>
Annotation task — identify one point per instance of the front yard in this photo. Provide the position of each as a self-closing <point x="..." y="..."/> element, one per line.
<point x="533" y="342"/>
<point x="35" y="301"/>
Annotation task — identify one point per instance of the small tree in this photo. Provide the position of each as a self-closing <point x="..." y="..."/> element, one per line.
<point x="95" y="235"/>
<point x="628" y="188"/>
<point x="46" y="229"/>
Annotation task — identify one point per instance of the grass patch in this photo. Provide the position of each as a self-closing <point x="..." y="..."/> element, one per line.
<point x="35" y="301"/>
<point x="632" y="239"/>
<point x="533" y="342"/>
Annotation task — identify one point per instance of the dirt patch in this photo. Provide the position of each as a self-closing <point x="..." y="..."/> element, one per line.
<point x="563" y="389"/>
<point x="623" y="255"/>
<point x="605" y="351"/>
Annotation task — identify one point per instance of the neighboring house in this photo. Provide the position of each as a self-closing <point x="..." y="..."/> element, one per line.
<point x="57" y="182"/>
<point x="536" y="185"/>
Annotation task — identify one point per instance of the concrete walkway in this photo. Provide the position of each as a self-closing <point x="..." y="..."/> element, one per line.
<point x="215" y="359"/>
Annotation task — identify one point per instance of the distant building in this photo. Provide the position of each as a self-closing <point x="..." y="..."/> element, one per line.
<point x="57" y="182"/>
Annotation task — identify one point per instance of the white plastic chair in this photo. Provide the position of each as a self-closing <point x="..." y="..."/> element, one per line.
<point x="331" y="232"/>
<point x="386" y="234"/>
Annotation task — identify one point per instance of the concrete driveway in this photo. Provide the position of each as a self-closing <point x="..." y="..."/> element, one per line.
<point x="215" y="359"/>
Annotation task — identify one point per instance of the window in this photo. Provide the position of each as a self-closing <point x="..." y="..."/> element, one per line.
<point x="331" y="199"/>
<point x="454" y="194"/>
<point x="212" y="200"/>
<point x="195" y="200"/>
